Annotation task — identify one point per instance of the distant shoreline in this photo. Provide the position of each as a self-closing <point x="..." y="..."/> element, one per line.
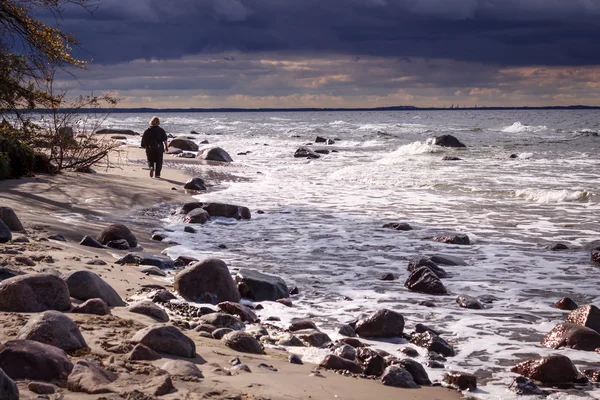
<point x="315" y="109"/>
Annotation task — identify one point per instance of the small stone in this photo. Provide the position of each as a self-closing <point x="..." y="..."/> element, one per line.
<point x="294" y="359"/>
<point x="409" y="351"/>
<point x="460" y="381"/>
<point x="41" y="388"/>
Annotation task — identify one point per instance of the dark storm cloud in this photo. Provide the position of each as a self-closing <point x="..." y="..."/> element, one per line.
<point x="502" y="32"/>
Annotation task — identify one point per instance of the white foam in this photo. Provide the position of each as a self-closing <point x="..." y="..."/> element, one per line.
<point x="552" y="196"/>
<point x="518" y="127"/>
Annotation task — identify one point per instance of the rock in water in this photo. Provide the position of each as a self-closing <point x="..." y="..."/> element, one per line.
<point x="91" y="242"/>
<point x="207" y="281"/>
<point x="85" y="285"/>
<point x="588" y="316"/>
<point x="116" y="232"/>
<point x="566" y="303"/>
<point x="262" y="287"/>
<point x="423" y="280"/>
<point x="432" y="342"/>
<point x="466" y="301"/>
<point x="27" y="359"/>
<point x="549" y="370"/>
<point x="447" y="141"/>
<point x="525" y="387"/>
<point x="197" y="216"/>
<point x="53" y="328"/>
<point x="34" y="293"/>
<point x="460" y="381"/>
<point x="305" y="152"/>
<point x="183" y="143"/>
<point x="416" y="370"/>
<point x="215" y="154"/>
<point x="8" y="216"/>
<point x="8" y="388"/>
<point x="382" y="323"/>
<point x="243" y="342"/>
<point x="397" y="376"/>
<point x="196" y="184"/>
<point x="87" y="377"/>
<point x="166" y="339"/>
<point x="426" y="262"/>
<point x="575" y="336"/>
<point x="162" y="262"/>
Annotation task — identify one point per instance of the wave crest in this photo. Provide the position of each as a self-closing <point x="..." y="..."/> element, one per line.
<point x="552" y="196"/>
<point x="518" y="127"/>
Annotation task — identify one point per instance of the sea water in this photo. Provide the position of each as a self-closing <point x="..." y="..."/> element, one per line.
<point x="527" y="179"/>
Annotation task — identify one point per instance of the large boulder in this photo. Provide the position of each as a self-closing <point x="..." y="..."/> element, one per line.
<point x="571" y="335"/>
<point x="262" y="287"/>
<point x="116" y="232"/>
<point x="166" y="339"/>
<point x="34" y="293"/>
<point x="8" y="388"/>
<point x="84" y="285"/>
<point x="183" y="143"/>
<point x="549" y="370"/>
<point x="424" y="280"/>
<point x="162" y="262"/>
<point x="196" y="184"/>
<point x="242" y="342"/>
<point x="588" y="316"/>
<point x="447" y="141"/>
<point x="146" y="307"/>
<point x="53" y="328"/>
<point x="396" y="376"/>
<point x="5" y="233"/>
<point x="382" y="323"/>
<point x="8" y="216"/>
<point x="215" y="154"/>
<point x="87" y="377"/>
<point x="27" y="359"/>
<point x="207" y="281"/>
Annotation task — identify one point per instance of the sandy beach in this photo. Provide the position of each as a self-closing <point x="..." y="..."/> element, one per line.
<point x="77" y="204"/>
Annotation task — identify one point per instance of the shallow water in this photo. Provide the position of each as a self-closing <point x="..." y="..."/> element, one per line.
<point x="322" y="226"/>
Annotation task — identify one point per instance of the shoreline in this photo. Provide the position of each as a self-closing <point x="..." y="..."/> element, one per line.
<point x="74" y="205"/>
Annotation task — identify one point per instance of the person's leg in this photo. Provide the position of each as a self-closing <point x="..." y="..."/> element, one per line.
<point x="159" y="163"/>
<point x="151" y="160"/>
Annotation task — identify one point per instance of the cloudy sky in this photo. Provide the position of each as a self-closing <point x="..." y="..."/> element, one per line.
<point x="339" y="53"/>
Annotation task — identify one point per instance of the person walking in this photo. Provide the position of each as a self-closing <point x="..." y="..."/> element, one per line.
<point x="154" y="140"/>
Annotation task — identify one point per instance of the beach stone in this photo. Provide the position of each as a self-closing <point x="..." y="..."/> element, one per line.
<point x="189" y="229"/>
<point x="84" y="285"/>
<point x="222" y="320"/>
<point x="5" y="233"/>
<point x="305" y="152"/>
<point x="195" y="184"/>
<point x="183" y="143"/>
<point x="566" y="303"/>
<point x="262" y="287"/>
<point x="162" y="262"/>
<point x="295" y="359"/>
<point x="96" y="261"/>
<point x="320" y="139"/>
<point x="588" y="316"/>
<point x="34" y="293"/>
<point x="174" y="151"/>
<point x="10" y="219"/>
<point x="8" y="388"/>
<point x="152" y="270"/>
<point x="220" y="332"/>
<point x="558" y="247"/>
<point x="446" y="259"/>
<point x="215" y="154"/>
<point x="182" y="368"/>
<point x="548" y="370"/>
<point x="53" y="328"/>
<point x="244" y="312"/>
<point x="460" y="239"/>
<point x="243" y="342"/>
<point x="593" y="374"/>
<point x="396" y="376"/>
<point x="57" y="237"/>
<point x="525" y="387"/>
<point x="337" y="363"/>
<point x="227" y="210"/>
<point x="40" y="388"/>
<point x="313" y="337"/>
<point x="208" y="328"/>
<point x="571" y="335"/>
<point x="166" y="339"/>
<point x="409" y="351"/>
<point x="95" y="306"/>
<point x="291" y="340"/>
<point x="451" y="158"/>
<point x="469" y="302"/>
<point x="143" y="353"/>
<point x="447" y="141"/>
<point x="426" y="262"/>
<point x="596" y="256"/>
<point x="347" y="330"/>
<point x="399" y="226"/>
<point x="87" y="377"/>
<point x="158" y="386"/>
<point x="197" y="216"/>
<point x="460" y="381"/>
<point x="28" y="359"/>
<point x="382" y="323"/>
<point x="120" y="244"/>
<point x="146" y="307"/>
<point x="416" y="370"/>
<point x="387" y="277"/>
<point x="432" y="342"/>
<point x="6" y="273"/>
<point x="423" y="280"/>
<point x="163" y="296"/>
<point x="301" y="324"/>
<point x="207" y="281"/>
<point x="116" y="232"/>
<point x="346" y="351"/>
<point x="372" y="363"/>
<point x="184" y="261"/>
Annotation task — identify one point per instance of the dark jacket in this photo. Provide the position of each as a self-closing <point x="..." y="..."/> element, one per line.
<point x="153" y="138"/>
